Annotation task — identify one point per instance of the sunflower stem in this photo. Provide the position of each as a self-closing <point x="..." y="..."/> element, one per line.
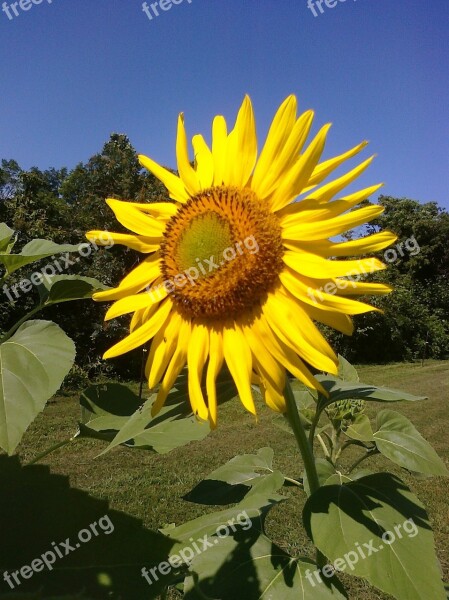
<point x="304" y="446"/>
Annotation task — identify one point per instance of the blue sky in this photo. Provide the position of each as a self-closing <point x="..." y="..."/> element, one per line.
<point x="74" y="71"/>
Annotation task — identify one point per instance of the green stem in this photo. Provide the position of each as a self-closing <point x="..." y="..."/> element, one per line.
<point x="52" y="449"/>
<point x="293" y="481"/>
<point x="323" y="446"/>
<point x="368" y="454"/>
<point x="304" y="446"/>
<point x="15" y="327"/>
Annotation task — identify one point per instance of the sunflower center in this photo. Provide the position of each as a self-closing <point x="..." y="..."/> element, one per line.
<point x="221" y="253"/>
<point x="207" y="235"/>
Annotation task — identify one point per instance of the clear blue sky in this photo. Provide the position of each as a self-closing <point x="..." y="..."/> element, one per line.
<point x="73" y="71"/>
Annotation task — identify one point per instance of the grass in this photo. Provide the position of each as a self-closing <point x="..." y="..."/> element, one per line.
<point x="150" y="487"/>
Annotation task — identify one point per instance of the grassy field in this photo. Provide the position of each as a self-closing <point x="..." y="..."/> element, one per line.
<point x="150" y="487"/>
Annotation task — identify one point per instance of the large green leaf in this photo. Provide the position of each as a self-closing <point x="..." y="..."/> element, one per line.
<point x="65" y="288"/>
<point x="174" y="426"/>
<point x="33" y="364"/>
<point x="33" y="251"/>
<point x="360" y="429"/>
<point x="6" y="234"/>
<point x="342" y="390"/>
<point x="380" y="531"/>
<point x="162" y="433"/>
<point x="346" y="372"/>
<point x="398" y="439"/>
<point x="250" y="566"/>
<point x="248" y="514"/>
<point x="232" y="481"/>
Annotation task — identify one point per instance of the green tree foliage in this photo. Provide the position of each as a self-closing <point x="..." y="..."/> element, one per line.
<point x="62" y="205"/>
<point x="415" y="322"/>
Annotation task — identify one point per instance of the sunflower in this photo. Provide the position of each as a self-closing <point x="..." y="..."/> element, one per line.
<point x="237" y="269"/>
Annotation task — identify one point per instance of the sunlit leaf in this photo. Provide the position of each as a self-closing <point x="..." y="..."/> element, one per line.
<point x="34" y="362"/>
<point x="398" y="439"/>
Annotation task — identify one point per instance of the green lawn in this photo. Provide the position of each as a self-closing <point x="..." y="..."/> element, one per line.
<point x="150" y="487"/>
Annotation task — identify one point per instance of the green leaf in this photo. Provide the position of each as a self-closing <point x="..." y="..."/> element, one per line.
<point x="33" y="364"/>
<point x="33" y="251"/>
<point x="104" y="417"/>
<point x="324" y="471"/>
<point x="398" y="439"/>
<point x="346" y="372"/>
<point x="360" y="429"/>
<point x="65" y="288"/>
<point x="174" y="426"/>
<point x="341" y="390"/>
<point x="105" y="409"/>
<point x="247" y="514"/>
<point x="249" y="565"/>
<point x="232" y="481"/>
<point x="380" y="531"/>
<point x="6" y="234"/>
<point x="162" y="433"/>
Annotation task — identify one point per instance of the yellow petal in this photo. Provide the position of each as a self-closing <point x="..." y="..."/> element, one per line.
<point x="139" y="278"/>
<point x="294" y="181"/>
<point x="196" y="359"/>
<point x="354" y="288"/>
<point x="135" y="220"/>
<point x="327" y="192"/>
<point x="326" y="167"/>
<point x="309" y="210"/>
<point x="144" y="333"/>
<point x="135" y="242"/>
<point x="175" y="367"/>
<point x="242" y="146"/>
<point x="162" y="349"/>
<point x="319" y="298"/>
<point x="204" y="162"/>
<point x="278" y="134"/>
<point x="365" y="245"/>
<point x="216" y="358"/>
<point x="219" y="148"/>
<point x="172" y="182"/>
<point x="288" y="155"/>
<point x="327" y="228"/>
<point x="295" y="328"/>
<point x="265" y="362"/>
<point x="132" y="303"/>
<point x="269" y="342"/>
<point x="339" y="321"/>
<point x="238" y="358"/>
<point x="317" y="267"/>
<point x="163" y="211"/>
<point x="185" y="169"/>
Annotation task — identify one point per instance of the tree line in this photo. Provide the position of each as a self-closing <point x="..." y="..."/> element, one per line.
<point x="61" y="205"/>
